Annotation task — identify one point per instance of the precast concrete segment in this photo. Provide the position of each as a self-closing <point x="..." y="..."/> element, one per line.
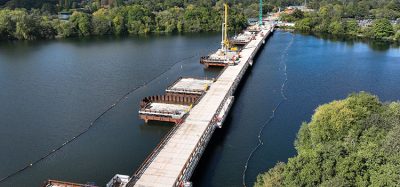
<point x="168" y="107"/>
<point x="191" y="85"/>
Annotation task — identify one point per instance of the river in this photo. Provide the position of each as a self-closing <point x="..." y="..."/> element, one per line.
<point x="51" y="91"/>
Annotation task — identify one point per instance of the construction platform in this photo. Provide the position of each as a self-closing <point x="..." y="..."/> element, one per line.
<point x="189" y="86"/>
<point x="176" y="103"/>
<point x="55" y="183"/>
<point x="220" y="58"/>
<point x="164" y="112"/>
<point x="242" y="39"/>
<point x="254" y="29"/>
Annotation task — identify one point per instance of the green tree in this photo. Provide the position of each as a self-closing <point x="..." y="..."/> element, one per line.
<point x="351" y="142"/>
<point x="397" y="36"/>
<point x="139" y="19"/>
<point x="382" y="28"/>
<point x="65" y="29"/>
<point x="298" y="14"/>
<point x="192" y="20"/>
<point x="251" y="11"/>
<point x="25" y="25"/>
<point x="336" y="27"/>
<point x="273" y="178"/>
<point x="6" y="24"/>
<point x="352" y="27"/>
<point x="47" y="29"/>
<point x="165" y="21"/>
<point x="81" y="22"/>
<point x="304" y="24"/>
<point x="101" y="22"/>
<point x="48" y="8"/>
<point x="118" y="24"/>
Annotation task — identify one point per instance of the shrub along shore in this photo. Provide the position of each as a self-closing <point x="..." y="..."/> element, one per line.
<point x="331" y="19"/>
<point x="21" y="24"/>
<point x="350" y="142"/>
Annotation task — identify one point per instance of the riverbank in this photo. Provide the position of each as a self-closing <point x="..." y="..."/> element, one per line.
<point x="350" y="142"/>
<point x="378" y="21"/>
<point x="21" y="24"/>
<point x="342" y="37"/>
<point x="378" y="44"/>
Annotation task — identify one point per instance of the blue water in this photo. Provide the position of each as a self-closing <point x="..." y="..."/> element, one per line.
<point x="52" y="90"/>
<point x="318" y="71"/>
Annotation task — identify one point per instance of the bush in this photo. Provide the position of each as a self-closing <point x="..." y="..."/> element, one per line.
<point x="351" y="142"/>
<point x="303" y="24"/>
<point x="352" y="27"/>
<point x="336" y="27"/>
<point x="382" y="28"/>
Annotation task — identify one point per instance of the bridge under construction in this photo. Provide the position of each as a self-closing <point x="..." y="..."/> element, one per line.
<point x="197" y="107"/>
<point x="175" y="158"/>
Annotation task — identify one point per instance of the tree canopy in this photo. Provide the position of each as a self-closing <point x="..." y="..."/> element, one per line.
<point x="366" y="18"/>
<point x="135" y="18"/>
<point x="351" y="142"/>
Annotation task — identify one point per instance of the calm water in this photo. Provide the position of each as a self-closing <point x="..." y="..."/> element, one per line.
<point x="52" y="90"/>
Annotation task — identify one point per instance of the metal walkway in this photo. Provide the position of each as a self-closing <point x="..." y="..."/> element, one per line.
<point x="175" y="158"/>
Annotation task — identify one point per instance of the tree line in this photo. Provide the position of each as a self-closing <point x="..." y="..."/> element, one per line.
<point x="134" y="18"/>
<point x="351" y="142"/>
<point x="372" y="19"/>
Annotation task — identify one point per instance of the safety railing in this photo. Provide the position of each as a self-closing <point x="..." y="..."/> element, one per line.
<point x="139" y="172"/>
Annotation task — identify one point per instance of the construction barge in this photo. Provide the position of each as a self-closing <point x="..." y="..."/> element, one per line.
<point x="242" y="39"/>
<point x="229" y="53"/>
<point x="55" y="183"/>
<point x="176" y="103"/>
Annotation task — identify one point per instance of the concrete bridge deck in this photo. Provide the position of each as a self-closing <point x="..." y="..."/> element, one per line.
<point x="173" y="161"/>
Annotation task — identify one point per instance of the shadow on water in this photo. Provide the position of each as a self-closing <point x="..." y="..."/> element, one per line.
<point x="156" y="124"/>
<point x="13" y="47"/>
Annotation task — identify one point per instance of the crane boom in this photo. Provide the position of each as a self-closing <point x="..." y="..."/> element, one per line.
<point x="226" y="41"/>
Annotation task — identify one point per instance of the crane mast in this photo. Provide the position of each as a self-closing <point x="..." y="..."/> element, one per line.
<point x="225" y="41"/>
<point x="260" y="14"/>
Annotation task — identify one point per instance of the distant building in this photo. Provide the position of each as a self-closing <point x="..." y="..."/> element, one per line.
<point x="64" y="15"/>
<point x="369" y="22"/>
<point x="290" y="9"/>
<point x="252" y="21"/>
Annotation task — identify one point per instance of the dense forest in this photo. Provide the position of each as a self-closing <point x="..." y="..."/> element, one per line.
<point x="368" y="18"/>
<point x="351" y="142"/>
<point x="93" y="18"/>
<point x="33" y="19"/>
